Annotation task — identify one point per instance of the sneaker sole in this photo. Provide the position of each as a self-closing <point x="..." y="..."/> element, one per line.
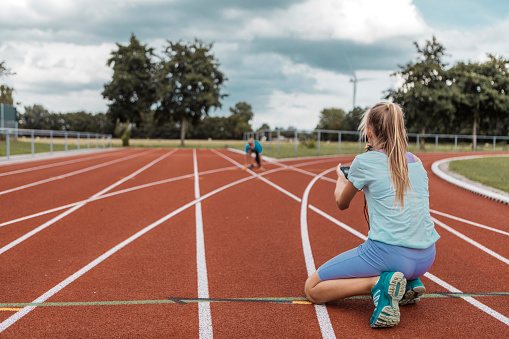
<point x="412" y="296"/>
<point x="390" y="316"/>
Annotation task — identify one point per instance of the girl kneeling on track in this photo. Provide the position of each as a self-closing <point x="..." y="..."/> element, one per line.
<point x="401" y="241"/>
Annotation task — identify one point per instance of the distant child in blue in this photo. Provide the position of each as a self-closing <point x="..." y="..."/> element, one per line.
<point x="401" y="241"/>
<point x="253" y="146"/>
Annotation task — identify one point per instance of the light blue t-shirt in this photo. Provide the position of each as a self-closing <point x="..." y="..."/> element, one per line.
<point x="257" y="147"/>
<point x="409" y="227"/>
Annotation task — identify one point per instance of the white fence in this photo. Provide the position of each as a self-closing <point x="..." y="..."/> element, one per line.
<point x="479" y="143"/>
<point x="93" y="140"/>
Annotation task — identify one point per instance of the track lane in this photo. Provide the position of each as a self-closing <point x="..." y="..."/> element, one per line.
<point x="350" y="307"/>
<point x="67" y="190"/>
<point x="27" y="178"/>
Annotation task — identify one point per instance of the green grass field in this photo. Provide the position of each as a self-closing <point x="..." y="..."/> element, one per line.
<point x="42" y="145"/>
<point x="270" y="149"/>
<point x="492" y="172"/>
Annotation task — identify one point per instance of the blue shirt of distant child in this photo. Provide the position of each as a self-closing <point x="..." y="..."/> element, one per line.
<point x="257" y="147"/>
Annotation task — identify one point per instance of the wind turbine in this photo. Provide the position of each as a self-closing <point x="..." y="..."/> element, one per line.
<point x="354" y="79"/>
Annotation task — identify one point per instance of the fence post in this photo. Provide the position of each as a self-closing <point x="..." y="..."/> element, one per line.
<point x="455" y="143"/>
<point x="295" y="141"/>
<point x="278" y="141"/>
<point x="436" y="143"/>
<point x="51" y="142"/>
<point x="270" y="140"/>
<point x="417" y="144"/>
<point x="78" y="141"/>
<point x="88" y="141"/>
<point x="319" y="134"/>
<point x="8" y="145"/>
<point x="339" y="142"/>
<point x="33" y="151"/>
<point x="494" y="143"/>
<point x="66" y="141"/>
<point x="110" y="141"/>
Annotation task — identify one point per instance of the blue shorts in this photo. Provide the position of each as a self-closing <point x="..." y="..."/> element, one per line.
<point x="373" y="257"/>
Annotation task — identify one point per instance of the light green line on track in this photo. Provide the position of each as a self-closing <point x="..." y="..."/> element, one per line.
<point x="296" y="300"/>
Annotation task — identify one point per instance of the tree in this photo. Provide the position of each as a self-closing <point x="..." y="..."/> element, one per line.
<point x="481" y="93"/>
<point x="425" y="93"/>
<point x="5" y="91"/>
<point x="244" y="109"/>
<point x="331" y="118"/>
<point x="131" y="90"/>
<point x="35" y="117"/>
<point x="188" y="84"/>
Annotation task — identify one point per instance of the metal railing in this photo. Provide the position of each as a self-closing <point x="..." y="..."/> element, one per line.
<point x="10" y="134"/>
<point x="301" y="135"/>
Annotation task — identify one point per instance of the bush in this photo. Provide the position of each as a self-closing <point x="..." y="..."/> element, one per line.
<point x="125" y="137"/>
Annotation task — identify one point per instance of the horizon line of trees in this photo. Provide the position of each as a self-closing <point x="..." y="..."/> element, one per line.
<point x="161" y="97"/>
<point x="466" y="98"/>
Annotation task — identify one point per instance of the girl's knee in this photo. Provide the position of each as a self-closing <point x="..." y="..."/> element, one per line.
<point x="311" y="283"/>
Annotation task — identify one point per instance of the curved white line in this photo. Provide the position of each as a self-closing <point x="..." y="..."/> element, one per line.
<point x="479" y="190"/>
<point x="321" y="310"/>
<point x="428" y="275"/>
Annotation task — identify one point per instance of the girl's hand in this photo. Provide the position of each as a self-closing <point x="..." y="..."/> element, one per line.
<point x="340" y="173"/>
<point x="368" y="146"/>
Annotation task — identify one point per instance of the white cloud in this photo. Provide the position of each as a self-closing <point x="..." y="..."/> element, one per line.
<point x="472" y="45"/>
<point x="58" y="73"/>
<point x="362" y="21"/>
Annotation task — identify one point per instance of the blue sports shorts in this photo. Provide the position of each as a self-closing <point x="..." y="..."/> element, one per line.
<point x="373" y="257"/>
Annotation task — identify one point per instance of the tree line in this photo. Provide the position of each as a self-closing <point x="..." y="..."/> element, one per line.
<point x="466" y="98"/>
<point x="170" y="95"/>
<point x="230" y="127"/>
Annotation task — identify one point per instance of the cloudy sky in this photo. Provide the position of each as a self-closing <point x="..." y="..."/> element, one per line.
<point x="287" y="58"/>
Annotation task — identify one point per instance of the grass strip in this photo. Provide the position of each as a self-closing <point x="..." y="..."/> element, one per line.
<point x="493" y="172"/>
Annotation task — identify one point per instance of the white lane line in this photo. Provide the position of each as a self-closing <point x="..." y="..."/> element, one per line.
<point x="20" y="314"/>
<point x="428" y="275"/>
<point x="469" y="300"/>
<point x="73" y="209"/>
<point x="469" y="222"/>
<point x="30" y="169"/>
<point x="339" y="223"/>
<point x="204" y="316"/>
<point x="321" y="310"/>
<point x="72" y="173"/>
<point x="470" y="241"/>
<point x="155" y="183"/>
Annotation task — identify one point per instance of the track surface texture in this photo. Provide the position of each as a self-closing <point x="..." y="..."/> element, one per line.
<point x="186" y="244"/>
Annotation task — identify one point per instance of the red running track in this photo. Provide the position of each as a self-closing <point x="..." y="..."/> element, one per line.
<point x="184" y="243"/>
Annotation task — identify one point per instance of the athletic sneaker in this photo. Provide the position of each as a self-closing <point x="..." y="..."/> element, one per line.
<point x="251" y="167"/>
<point x="413" y="292"/>
<point x="386" y="295"/>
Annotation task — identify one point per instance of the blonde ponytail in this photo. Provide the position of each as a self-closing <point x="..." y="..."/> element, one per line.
<point x="387" y="123"/>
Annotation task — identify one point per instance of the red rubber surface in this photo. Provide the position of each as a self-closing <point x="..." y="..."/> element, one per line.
<point x="253" y="249"/>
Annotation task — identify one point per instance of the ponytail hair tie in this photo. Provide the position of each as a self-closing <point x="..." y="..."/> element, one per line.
<point x="389" y="106"/>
